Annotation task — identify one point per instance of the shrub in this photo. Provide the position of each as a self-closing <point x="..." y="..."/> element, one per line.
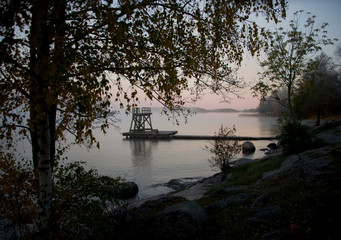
<point x="81" y="198"/>
<point x="79" y="205"/>
<point x="296" y="137"/>
<point x="224" y="148"/>
<point x="17" y="195"/>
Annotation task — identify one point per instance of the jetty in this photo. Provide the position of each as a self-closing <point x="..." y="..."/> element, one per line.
<point x="141" y="127"/>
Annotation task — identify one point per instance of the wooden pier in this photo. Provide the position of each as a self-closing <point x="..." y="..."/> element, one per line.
<point x="150" y="134"/>
<point x="141" y="127"/>
<point x="206" y="137"/>
<point x="173" y="135"/>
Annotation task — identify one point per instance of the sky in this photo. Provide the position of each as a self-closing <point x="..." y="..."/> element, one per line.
<point x="325" y="10"/>
<point x="328" y="11"/>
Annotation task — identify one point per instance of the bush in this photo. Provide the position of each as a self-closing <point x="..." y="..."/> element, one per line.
<point x="79" y="205"/>
<point x="223" y="148"/>
<point x="295" y="137"/>
<point x="81" y="200"/>
<point x="17" y="196"/>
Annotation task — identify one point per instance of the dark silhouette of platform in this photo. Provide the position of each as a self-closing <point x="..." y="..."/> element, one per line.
<point x="150" y="134"/>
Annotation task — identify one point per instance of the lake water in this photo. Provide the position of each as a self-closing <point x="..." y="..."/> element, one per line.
<point x="152" y="163"/>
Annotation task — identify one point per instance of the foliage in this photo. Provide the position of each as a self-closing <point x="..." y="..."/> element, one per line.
<point x="79" y="206"/>
<point x="80" y="202"/>
<point x="223" y="148"/>
<point x="319" y="92"/>
<point x="289" y="57"/>
<point x="296" y="137"/>
<point x="17" y="192"/>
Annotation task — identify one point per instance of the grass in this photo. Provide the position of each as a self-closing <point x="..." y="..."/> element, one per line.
<point x="250" y="172"/>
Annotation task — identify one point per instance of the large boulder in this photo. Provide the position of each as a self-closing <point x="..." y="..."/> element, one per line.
<point x="177" y="184"/>
<point x="248" y="147"/>
<point x="180" y="221"/>
<point x="272" y="146"/>
<point x="127" y="190"/>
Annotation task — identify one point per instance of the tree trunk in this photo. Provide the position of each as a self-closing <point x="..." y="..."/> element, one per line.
<point x="291" y="110"/>
<point x="40" y="109"/>
<point x="45" y="177"/>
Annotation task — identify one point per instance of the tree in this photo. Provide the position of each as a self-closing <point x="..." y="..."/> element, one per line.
<point x="320" y="90"/>
<point x="288" y="57"/>
<point x="64" y="62"/>
<point x="223" y="148"/>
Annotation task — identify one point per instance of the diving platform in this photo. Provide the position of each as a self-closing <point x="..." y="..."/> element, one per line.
<point x="141" y="125"/>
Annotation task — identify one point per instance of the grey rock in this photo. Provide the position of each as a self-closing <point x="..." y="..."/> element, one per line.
<point x="272" y="146"/>
<point x="265" y="214"/>
<point x="225" y="191"/>
<point x="241" y="161"/>
<point x="258" y="202"/>
<point x="288" y="164"/>
<point x="248" y="147"/>
<point x="316" y="167"/>
<point x="148" y="205"/>
<point x="226" y="202"/>
<point x="177" y="184"/>
<point x="127" y="190"/>
<point x="180" y="221"/>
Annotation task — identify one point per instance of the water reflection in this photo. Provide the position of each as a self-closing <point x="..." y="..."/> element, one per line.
<point x="142" y="151"/>
<point x="268" y="126"/>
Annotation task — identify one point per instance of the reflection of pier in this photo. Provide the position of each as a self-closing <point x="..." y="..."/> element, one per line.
<point x="141" y="127"/>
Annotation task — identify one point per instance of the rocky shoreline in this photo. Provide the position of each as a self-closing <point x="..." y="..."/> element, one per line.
<point x="278" y="197"/>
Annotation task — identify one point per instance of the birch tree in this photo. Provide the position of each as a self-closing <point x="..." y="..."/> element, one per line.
<point x="63" y="63"/>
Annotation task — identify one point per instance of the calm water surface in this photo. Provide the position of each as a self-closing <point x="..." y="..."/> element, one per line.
<point x="152" y="163"/>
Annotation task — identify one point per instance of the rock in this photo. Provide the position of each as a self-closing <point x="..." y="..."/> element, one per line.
<point x="272" y="146"/>
<point x="224" y="203"/>
<point x="150" y="204"/>
<point x="183" y="183"/>
<point x="225" y="191"/>
<point x="288" y="164"/>
<point x="258" y="202"/>
<point x="180" y="221"/>
<point x="127" y="190"/>
<point x="241" y="161"/>
<point x="176" y="184"/>
<point x="266" y="214"/>
<point x="248" y="147"/>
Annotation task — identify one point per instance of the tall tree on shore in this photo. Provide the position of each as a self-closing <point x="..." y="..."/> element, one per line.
<point x="289" y="57"/>
<point x="320" y="90"/>
<point x="61" y="60"/>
